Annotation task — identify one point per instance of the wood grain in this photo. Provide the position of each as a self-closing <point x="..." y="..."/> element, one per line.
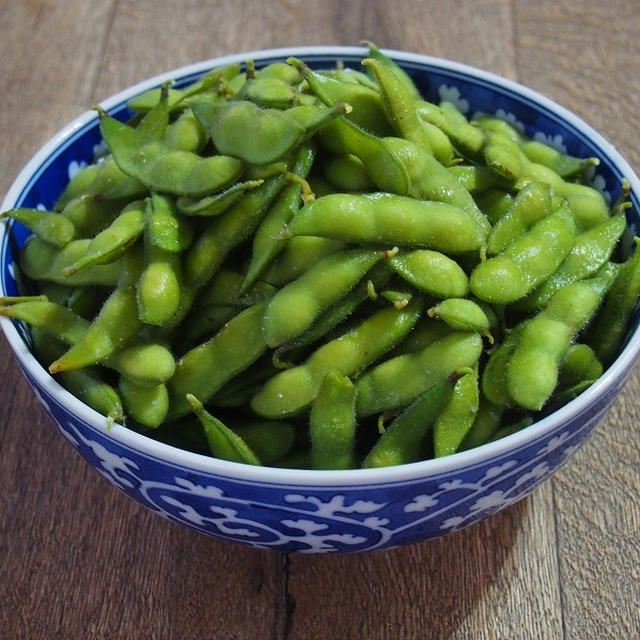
<point x="80" y="560"/>
<point x="596" y="74"/>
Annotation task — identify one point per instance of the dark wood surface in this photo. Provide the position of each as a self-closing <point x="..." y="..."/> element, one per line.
<point x="80" y="560"/>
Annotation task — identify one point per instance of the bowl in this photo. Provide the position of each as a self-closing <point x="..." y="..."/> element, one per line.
<point x="325" y="511"/>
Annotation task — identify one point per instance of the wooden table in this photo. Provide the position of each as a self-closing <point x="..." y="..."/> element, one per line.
<point x="79" y="560"/>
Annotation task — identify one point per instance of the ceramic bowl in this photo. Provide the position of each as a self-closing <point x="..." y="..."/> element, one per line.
<point x="325" y="511"/>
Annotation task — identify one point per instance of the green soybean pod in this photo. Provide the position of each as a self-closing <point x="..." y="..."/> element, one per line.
<point x="270" y="440"/>
<point x="367" y="112"/>
<point x="527" y="261"/>
<point x="206" y="367"/>
<point x="86" y="384"/>
<point x="266" y="243"/>
<point x="258" y="136"/>
<point x="494" y="203"/>
<point x="116" y="324"/>
<point x="399" y="105"/>
<point x="226" y="231"/>
<point x="215" y="204"/>
<point x="53" y="228"/>
<point x="164" y="169"/>
<point x="477" y="179"/>
<point x="293" y="390"/>
<point x="402" y="441"/>
<point x="485" y="424"/>
<point x="272" y="93"/>
<point x="176" y="97"/>
<point x="144" y="364"/>
<point x="461" y="314"/>
<point x="90" y="212"/>
<point x="532" y="371"/>
<point x="566" y="166"/>
<point x="146" y="405"/>
<point x="607" y="331"/>
<point x="431" y="272"/>
<point x="398" y="381"/>
<point x="494" y="375"/>
<point x="430" y="180"/>
<point x="426" y="331"/>
<point x="346" y="172"/>
<point x="108" y="245"/>
<point x="532" y="203"/>
<point x="186" y="133"/>
<point x="40" y="260"/>
<point x="332" y="423"/>
<point x="579" y="363"/>
<point x="223" y="442"/>
<point x="376" y="54"/>
<point x="333" y="315"/>
<point x="297" y="255"/>
<point x="591" y="250"/>
<point x="390" y="219"/>
<point x="384" y="167"/>
<point x="457" y="416"/>
<point x="52" y="317"/>
<point x="294" y="307"/>
<point x="76" y="186"/>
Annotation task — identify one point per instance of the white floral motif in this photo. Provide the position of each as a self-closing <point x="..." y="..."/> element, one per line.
<point x="100" y="150"/>
<point x="597" y="182"/>
<point x="557" y="141"/>
<point x="323" y="524"/>
<point x="318" y="542"/>
<point x="510" y="117"/>
<point x="336" y="505"/>
<point x="555" y="442"/>
<point x="110" y="463"/>
<point x="74" y="167"/>
<point x="229" y="516"/>
<point x="490" y="501"/>
<point x="453" y="95"/>
<point x="420" y="503"/>
<point x="494" y="472"/>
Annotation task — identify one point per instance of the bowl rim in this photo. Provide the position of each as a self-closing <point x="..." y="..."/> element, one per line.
<point x="415" y="471"/>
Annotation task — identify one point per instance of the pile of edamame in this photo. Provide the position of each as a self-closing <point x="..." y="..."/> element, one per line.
<point x="320" y="269"/>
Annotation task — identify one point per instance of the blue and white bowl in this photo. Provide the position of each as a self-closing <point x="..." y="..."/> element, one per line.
<point x="325" y="511"/>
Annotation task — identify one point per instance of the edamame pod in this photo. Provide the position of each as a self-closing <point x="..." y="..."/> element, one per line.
<point x="223" y="442"/>
<point x="527" y="261"/>
<point x="398" y="381"/>
<point x="607" y="332"/>
<point x="116" y="323"/>
<point x="53" y="228"/>
<point x="40" y="260"/>
<point x="293" y="390"/>
<point x="258" y="136"/>
<point x="162" y="168"/>
<point x="294" y="308"/>
<point x="431" y="272"/>
<point x="457" y="416"/>
<point x="402" y="441"/>
<point x="532" y="370"/>
<point x="388" y="219"/>
<point x="332" y="423"/>
<point x="205" y="368"/>
<point x="591" y="250"/>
